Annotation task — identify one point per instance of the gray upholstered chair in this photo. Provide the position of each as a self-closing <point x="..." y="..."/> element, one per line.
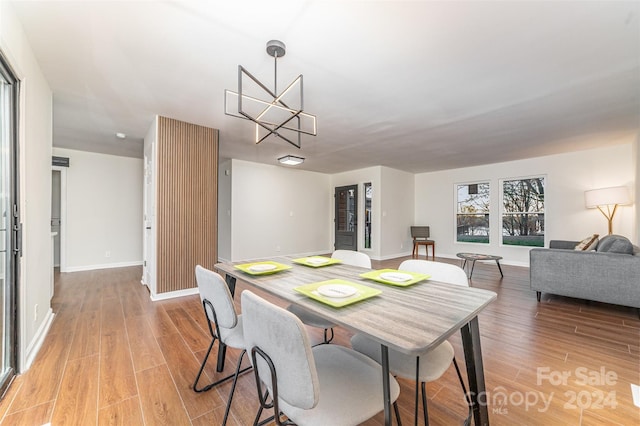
<point x="219" y="310"/>
<point x="321" y="385"/>
<point x="430" y="366"/>
<point x="348" y="257"/>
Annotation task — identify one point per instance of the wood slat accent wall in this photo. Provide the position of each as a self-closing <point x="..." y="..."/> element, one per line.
<point x="187" y="202"/>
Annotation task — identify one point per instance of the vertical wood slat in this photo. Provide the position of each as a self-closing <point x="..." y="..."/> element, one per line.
<point x="187" y="200"/>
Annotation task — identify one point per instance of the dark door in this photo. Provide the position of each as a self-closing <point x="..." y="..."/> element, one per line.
<point x="346" y="218"/>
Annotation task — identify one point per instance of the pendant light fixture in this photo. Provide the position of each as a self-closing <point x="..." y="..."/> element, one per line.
<point x="281" y="114"/>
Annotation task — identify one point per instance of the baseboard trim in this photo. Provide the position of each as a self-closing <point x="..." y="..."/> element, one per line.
<point x="174" y="294"/>
<point x="103" y="266"/>
<point x="392" y="256"/>
<point x="38" y="339"/>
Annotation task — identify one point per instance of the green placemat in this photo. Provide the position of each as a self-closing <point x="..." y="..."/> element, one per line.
<point x="262" y="268"/>
<point x="395" y="277"/>
<point x="317" y="261"/>
<point x="362" y="292"/>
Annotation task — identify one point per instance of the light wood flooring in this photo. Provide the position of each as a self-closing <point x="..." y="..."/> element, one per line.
<point x="114" y="357"/>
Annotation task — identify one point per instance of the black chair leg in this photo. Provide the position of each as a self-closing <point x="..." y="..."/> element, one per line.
<point x="425" y="411"/>
<point x="258" y="414"/>
<point x="233" y="388"/>
<point x="222" y="380"/>
<point x="415" y="409"/>
<point x="204" y="362"/>
<point x="326" y="332"/>
<point x="397" y="411"/>
<point x="466" y="394"/>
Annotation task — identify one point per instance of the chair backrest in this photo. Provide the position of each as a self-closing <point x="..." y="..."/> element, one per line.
<point x="443" y="272"/>
<point x="282" y="336"/>
<point x="353" y="258"/>
<point x="420" y="232"/>
<point x="213" y="289"/>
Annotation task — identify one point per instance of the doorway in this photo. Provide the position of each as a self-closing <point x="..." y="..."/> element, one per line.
<point x="59" y="216"/>
<point x="346" y="218"/>
<point x="10" y="226"/>
<point x="55" y="216"/>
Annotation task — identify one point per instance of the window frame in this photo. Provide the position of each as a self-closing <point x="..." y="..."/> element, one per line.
<point x="503" y="213"/>
<point x="456" y="213"/>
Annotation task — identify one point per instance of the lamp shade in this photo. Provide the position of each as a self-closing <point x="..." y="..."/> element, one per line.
<point x="607" y="196"/>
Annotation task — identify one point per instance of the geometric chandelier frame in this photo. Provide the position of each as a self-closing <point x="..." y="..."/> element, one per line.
<point x="282" y="114"/>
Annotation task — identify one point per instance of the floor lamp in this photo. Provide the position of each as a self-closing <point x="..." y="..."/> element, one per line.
<point x="607" y="201"/>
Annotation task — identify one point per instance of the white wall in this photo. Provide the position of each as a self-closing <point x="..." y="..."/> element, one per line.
<point x="567" y="177"/>
<point x="149" y="237"/>
<point x="35" y="138"/>
<point x="278" y="211"/>
<point x="104" y="210"/>
<point x="397" y="213"/>
<point x="224" y="209"/>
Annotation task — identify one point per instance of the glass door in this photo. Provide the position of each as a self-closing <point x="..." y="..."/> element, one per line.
<point x="10" y="230"/>
<point x="346" y="219"/>
<point x="368" y="208"/>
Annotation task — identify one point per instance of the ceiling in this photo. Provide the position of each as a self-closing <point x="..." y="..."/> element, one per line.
<point x="417" y="86"/>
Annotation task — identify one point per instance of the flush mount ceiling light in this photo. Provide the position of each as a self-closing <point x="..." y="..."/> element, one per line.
<point x="120" y="135"/>
<point x="281" y="114"/>
<point x="291" y="160"/>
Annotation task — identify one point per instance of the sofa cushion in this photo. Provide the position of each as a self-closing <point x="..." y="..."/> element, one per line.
<point x="615" y="244"/>
<point x="589" y="243"/>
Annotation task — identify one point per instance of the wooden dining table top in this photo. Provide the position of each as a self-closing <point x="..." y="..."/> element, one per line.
<point x="411" y="319"/>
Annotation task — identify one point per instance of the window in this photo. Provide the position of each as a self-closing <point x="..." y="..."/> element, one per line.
<point x="368" y="197"/>
<point x="523" y="212"/>
<point x="473" y="213"/>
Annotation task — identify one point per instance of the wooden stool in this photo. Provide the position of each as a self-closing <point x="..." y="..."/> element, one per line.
<point x="420" y="236"/>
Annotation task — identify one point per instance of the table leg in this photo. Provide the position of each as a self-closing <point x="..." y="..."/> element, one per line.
<point x="231" y="283"/>
<point x="475" y="371"/>
<point x="473" y="265"/>
<point x="222" y="352"/>
<point x="386" y="393"/>
<point x="499" y="268"/>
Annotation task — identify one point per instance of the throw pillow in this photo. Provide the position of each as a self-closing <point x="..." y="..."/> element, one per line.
<point x="589" y="243"/>
<point x="615" y="244"/>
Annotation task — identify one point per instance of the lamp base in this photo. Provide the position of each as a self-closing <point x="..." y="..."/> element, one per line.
<point x="609" y="215"/>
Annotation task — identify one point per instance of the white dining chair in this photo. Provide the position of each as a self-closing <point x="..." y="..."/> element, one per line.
<point x="219" y="310"/>
<point x="353" y="258"/>
<point x="311" y="386"/>
<point x="348" y="257"/>
<point x="429" y="366"/>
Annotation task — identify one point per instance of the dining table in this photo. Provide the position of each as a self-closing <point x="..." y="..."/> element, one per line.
<point x="411" y="319"/>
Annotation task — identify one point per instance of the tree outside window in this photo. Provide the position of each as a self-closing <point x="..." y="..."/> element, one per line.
<point x="472" y="215"/>
<point x="523" y="212"/>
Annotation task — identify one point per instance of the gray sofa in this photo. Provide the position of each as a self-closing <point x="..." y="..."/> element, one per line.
<point x="601" y="276"/>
